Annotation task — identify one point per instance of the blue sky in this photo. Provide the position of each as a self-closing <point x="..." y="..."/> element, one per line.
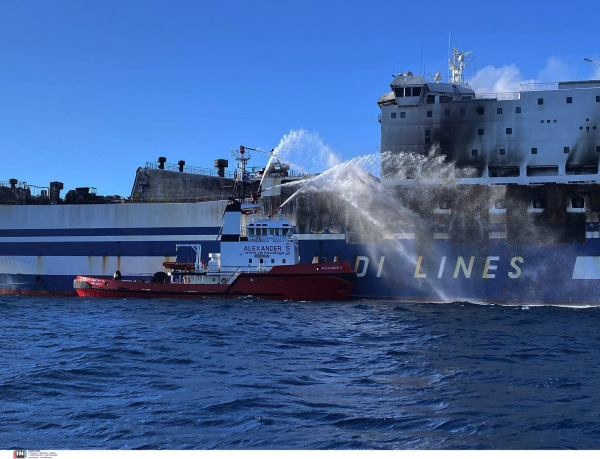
<point x="90" y="90"/>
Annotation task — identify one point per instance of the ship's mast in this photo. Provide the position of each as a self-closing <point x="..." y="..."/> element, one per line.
<point x="457" y="64"/>
<point x="241" y="177"/>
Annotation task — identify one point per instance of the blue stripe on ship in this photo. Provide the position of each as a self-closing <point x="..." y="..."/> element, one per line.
<point x="592" y="226"/>
<point x="156" y="231"/>
<point x="90" y="248"/>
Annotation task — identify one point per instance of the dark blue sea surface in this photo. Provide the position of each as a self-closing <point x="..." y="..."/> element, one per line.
<point x="251" y="374"/>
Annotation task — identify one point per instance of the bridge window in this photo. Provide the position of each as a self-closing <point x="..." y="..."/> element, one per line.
<point x="416" y="91"/>
<point x="399" y="92"/>
<point x="431" y="99"/>
<point x="250" y="231"/>
<point x="393" y="114"/>
<point x="407" y="92"/>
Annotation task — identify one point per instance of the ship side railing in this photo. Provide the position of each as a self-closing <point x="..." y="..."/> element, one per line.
<point x="177" y="199"/>
<point x="538" y="86"/>
<point x="188" y="169"/>
<point x="500" y="96"/>
<point x="212" y="172"/>
<point x="516" y="95"/>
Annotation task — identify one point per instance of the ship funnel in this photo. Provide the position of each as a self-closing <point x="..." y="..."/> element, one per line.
<point x="161" y="162"/>
<point x="221" y="164"/>
<point x="55" y="188"/>
<point x="181" y="163"/>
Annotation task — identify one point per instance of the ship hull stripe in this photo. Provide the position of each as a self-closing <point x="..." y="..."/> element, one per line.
<point x="105" y="232"/>
<point x="587" y="268"/>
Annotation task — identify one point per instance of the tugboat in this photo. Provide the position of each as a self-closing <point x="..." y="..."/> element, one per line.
<point x="259" y="257"/>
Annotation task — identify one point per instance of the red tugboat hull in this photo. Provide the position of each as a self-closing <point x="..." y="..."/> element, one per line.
<point x="318" y="281"/>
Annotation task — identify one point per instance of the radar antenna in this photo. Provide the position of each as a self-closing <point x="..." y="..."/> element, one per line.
<point x="457" y="64"/>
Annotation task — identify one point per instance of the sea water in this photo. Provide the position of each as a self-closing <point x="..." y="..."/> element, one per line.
<point x="250" y="374"/>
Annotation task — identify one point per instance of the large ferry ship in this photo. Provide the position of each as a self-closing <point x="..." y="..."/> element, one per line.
<point x="488" y="198"/>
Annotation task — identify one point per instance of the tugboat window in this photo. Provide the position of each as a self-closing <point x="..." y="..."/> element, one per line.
<point x="480" y="111"/>
<point x="569" y="100"/>
<point x="474" y="153"/>
<point x="407" y="92"/>
<point x="499" y="110"/>
<point x="509" y="130"/>
<point x="393" y="114"/>
<point x="416" y="91"/>
<point x="534" y="151"/>
<point x="479" y="131"/>
<point x="446" y="112"/>
<point x="517" y="109"/>
<point x="402" y="114"/>
<point x="399" y="92"/>
<point x="540" y="101"/>
<point x="462" y="112"/>
<point x="429" y="114"/>
<point x="502" y="151"/>
<point x="566" y="149"/>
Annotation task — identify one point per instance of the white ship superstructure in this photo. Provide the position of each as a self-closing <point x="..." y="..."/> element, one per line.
<point x="546" y="132"/>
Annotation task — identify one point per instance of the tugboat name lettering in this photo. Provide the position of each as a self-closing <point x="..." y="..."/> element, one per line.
<point x="265" y="248"/>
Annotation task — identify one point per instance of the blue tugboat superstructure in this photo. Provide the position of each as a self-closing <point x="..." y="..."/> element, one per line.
<point x="512" y="216"/>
